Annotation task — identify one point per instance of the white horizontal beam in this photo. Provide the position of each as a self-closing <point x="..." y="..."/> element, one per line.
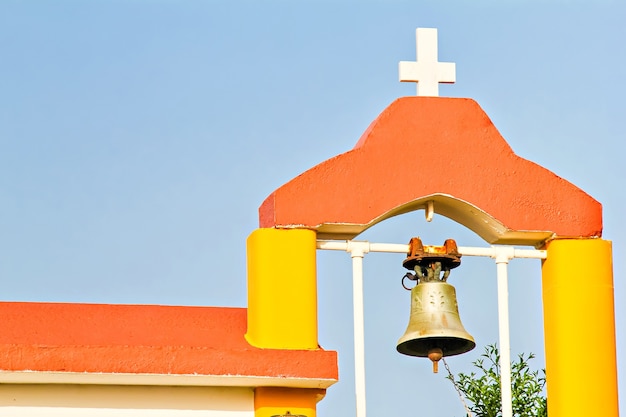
<point x="93" y="378"/>
<point x="490" y="252"/>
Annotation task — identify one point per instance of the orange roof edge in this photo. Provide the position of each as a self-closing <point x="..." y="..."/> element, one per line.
<point x="147" y="340"/>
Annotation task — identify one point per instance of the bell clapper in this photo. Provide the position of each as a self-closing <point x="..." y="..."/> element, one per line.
<point x="435" y="355"/>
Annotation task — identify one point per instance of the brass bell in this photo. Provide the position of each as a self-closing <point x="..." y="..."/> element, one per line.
<point x="435" y="329"/>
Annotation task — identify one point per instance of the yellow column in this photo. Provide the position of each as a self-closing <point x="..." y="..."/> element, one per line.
<point x="579" y="322"/>
<point x="273" y="401"/>
<point x="282" y="309"/>
<point x="282" y="289"/>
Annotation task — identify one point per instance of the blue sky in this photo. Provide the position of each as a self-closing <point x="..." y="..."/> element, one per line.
<point x="137" y="140"/>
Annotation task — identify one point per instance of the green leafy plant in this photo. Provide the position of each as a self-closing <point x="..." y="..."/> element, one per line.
<point x="482" y="388"/>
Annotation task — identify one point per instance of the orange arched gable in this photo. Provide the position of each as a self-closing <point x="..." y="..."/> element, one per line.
<point x="444" y="150"/>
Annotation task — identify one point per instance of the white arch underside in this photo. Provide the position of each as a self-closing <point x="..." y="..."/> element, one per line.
<point x="462" y="212"/>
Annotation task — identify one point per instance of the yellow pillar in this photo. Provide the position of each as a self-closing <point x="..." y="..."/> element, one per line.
<point x="579" y="322"/>
<point x="282" y="289"/>
<point x="273" y="401"/>
<point x="282" y="309"/>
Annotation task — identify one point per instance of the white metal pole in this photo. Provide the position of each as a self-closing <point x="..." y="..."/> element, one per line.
<point x="502" y="261"/>
<point x="359" y="329"/>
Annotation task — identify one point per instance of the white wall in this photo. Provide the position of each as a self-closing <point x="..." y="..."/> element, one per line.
<point x="31" y="400"/>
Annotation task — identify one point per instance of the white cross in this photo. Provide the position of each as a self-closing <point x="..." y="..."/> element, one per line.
<point x="426" y="71"/>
